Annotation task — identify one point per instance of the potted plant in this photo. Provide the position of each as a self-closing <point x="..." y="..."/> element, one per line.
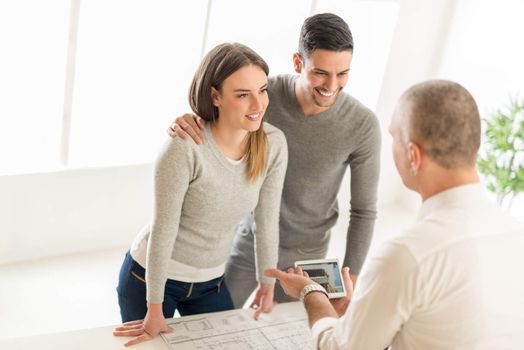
<point x="502" y="157"/>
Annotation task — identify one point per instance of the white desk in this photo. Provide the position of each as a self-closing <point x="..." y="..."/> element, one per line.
<point x="85" y="339"/>
<point x="245" y="334"/>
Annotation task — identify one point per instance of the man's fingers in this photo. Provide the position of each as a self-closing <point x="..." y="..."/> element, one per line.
<point x="139" y="339"/>
<point x="190" y="125"/>
<point x="201" y="122"/>
<point x="276" y="273"/>
<point x="185" y="128"/>
<point x="182" y="134"/>
<point x="171" y="132"/>
<point x="191" y="130"/>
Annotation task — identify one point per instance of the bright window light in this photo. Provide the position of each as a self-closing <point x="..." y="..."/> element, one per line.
<point x="270" y="27"/>
<point x="135" y="61"/>
<point x="33" y="39"/>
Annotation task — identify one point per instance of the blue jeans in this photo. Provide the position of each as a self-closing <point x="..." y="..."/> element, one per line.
<point x="188" y="298"/>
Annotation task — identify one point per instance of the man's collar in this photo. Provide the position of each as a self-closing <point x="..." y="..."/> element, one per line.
<point x="463" y="194"/>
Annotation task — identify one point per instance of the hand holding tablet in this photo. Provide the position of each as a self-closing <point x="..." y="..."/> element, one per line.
<point x="325" y="272"/>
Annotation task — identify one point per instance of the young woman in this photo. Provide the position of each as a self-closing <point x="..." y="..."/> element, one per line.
<point x="202" y="192"/>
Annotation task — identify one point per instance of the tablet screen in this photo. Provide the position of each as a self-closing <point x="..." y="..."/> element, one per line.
<point x="326" y="273"/>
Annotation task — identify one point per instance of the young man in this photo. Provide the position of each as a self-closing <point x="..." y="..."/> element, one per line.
<point x="327" y="131"/>
<point x="452" y="280"/>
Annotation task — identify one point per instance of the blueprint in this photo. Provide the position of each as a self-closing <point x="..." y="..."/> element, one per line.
<point x="284" y="328"/>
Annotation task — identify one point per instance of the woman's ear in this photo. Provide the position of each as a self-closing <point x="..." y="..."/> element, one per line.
<point x="297" y="62"/>
<point x="215" y="96"/>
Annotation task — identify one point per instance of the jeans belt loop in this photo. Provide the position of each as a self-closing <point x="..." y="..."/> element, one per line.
<point x="190" y="290"/>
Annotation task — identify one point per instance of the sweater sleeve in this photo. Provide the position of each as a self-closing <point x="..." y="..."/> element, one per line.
<point x="365" y="167"/>
<point x="172" y="175"/>
<point x="267" y="211"/>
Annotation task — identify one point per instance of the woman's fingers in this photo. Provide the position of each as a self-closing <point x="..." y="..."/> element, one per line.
<point x="140" y="339"/>
<point x="129" y="332"/>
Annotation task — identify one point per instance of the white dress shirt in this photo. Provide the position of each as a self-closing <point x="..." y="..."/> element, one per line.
<point x="452" y="281"/>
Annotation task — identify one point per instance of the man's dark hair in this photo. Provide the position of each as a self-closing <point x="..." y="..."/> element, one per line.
<point x="324" y="31"/>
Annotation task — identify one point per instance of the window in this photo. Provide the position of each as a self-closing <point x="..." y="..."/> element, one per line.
<point x="270" y="27"/>
<point x="135" y="61"/>
<point x="33" y="38"/>
<point x="131" y="67"/>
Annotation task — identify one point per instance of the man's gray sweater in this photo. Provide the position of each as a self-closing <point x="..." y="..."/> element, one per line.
<point x="321" y="148"/>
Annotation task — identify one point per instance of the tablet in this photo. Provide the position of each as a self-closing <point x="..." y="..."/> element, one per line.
<point x="325" y="272"/>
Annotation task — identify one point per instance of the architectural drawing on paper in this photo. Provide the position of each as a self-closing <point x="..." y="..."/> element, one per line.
<point x="285" y="328"/>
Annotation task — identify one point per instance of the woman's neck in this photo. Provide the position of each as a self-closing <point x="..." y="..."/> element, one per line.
<point x="231" y="142"/>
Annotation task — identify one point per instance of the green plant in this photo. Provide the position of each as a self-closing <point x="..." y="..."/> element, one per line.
<point x="502" y="157"/>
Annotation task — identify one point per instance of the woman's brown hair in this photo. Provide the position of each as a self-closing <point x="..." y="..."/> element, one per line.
<point x="217" y="66"/>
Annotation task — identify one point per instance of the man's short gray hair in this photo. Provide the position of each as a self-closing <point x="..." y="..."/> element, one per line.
<point x="444" y="120"/>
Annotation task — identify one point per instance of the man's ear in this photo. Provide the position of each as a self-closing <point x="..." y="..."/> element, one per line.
<point x="297" y="62"/>
<point x="215" y="97"/>
<point x="415" y="157"/>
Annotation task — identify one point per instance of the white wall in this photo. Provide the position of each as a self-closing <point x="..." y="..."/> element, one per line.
<point x="72" y="211"/>
<point x="415" y="55"/>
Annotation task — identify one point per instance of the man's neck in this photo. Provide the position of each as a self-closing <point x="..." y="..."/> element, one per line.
<point x="443" y="179"/>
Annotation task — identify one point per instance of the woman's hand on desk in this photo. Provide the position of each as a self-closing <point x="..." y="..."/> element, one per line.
<point x="146" y="329"/>
<point x="263" y="301"/>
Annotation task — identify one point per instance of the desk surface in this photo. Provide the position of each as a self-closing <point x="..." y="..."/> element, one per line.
<point x="103" y="339"/>
<point x="85" y="339"/>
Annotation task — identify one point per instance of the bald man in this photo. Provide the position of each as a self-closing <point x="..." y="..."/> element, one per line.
<point x="452" y="280"/>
